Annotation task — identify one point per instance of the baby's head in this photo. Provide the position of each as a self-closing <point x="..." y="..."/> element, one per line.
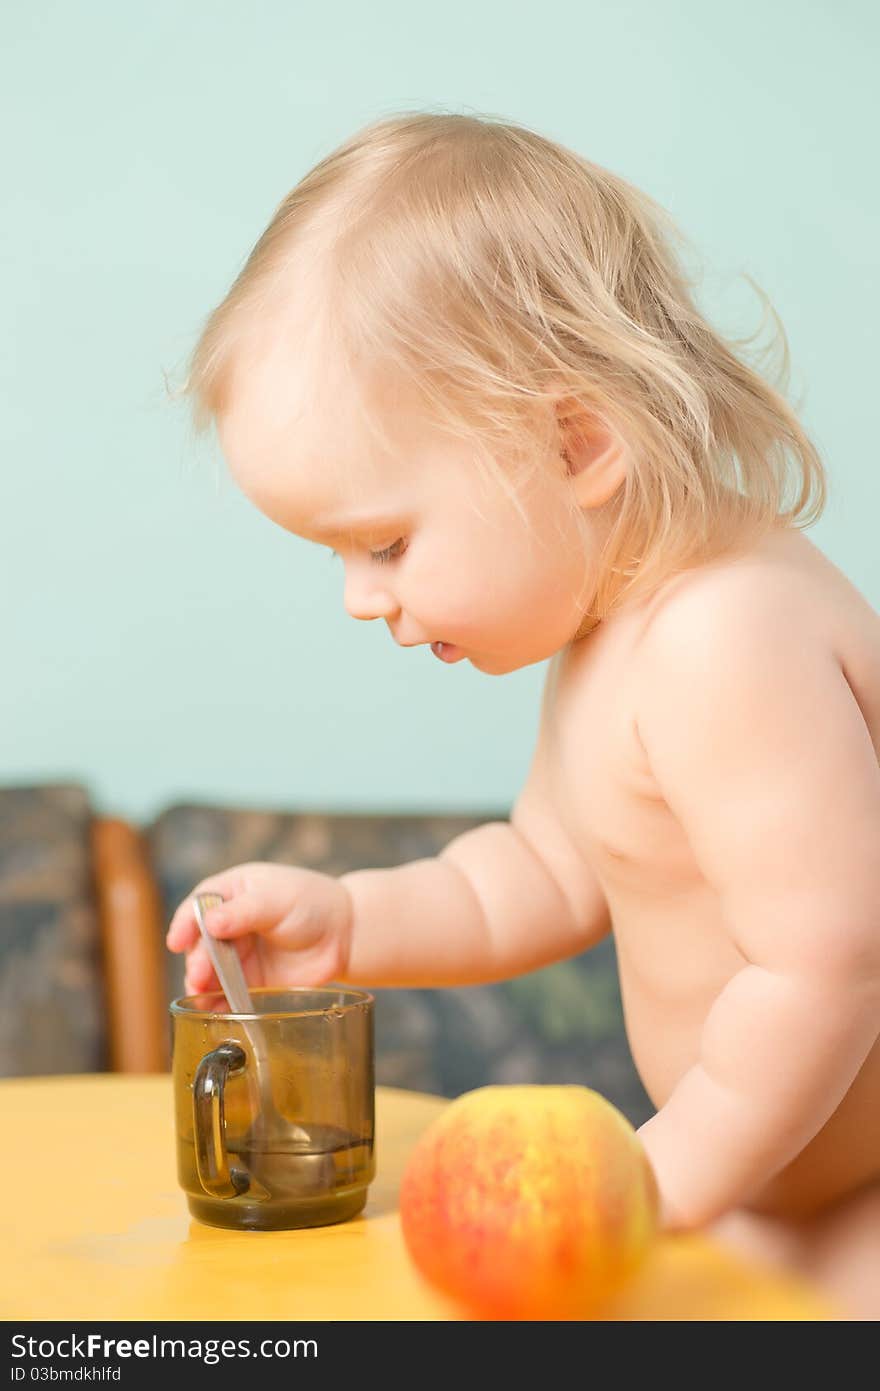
<point x="468" y="360"/>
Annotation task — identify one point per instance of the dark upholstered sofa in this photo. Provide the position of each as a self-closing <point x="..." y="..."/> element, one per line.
<point x="85" y="979"/>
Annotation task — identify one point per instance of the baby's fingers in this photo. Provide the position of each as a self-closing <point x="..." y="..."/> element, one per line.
<point x="200" y="973"/>
<point x="240" y="916"/>
<point x="183" y="930"/>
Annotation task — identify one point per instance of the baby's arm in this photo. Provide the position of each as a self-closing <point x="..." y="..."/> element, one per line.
<point x="502" y="899"/>
<point x="499" y="900"/>
<point x="761" y="752"/>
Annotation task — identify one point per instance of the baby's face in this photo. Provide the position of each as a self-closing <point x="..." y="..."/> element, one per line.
<point x="426" y="541"/>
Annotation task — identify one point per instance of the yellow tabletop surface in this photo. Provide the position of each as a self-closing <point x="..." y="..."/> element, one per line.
<point x="95" y="1226"/>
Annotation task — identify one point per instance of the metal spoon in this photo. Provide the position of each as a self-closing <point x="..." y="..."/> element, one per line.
<point x="285" y="1158"/>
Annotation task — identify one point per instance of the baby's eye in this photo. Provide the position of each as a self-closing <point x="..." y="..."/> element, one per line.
<point x="391" y="553"/>
<point x="382" y="557"/>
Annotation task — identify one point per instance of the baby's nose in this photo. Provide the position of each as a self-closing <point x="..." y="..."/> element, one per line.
<point x="367" y="601"/>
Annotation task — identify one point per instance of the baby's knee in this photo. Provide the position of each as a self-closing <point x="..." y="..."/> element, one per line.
<point x="840" y="1252"/>
<point x="771" y="1241"/>
<point x="849" y="1230"/>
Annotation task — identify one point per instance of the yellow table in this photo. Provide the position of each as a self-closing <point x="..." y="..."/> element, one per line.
<point x="93" y="1225"/>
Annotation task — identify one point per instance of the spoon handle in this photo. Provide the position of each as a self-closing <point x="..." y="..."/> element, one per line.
<point x="224" y="958"/>
<point x="227" y="963"/>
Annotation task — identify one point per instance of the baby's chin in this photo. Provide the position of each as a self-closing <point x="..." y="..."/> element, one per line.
<point x="492" y="664"/>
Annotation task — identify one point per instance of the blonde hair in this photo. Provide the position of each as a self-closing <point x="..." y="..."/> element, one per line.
<point x="497" y="272"/>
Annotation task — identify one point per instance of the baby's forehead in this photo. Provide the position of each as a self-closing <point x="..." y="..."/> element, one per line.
<point x="302" y="438"/>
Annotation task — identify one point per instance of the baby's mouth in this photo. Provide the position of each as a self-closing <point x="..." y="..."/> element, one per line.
<point x="447" y="651"/>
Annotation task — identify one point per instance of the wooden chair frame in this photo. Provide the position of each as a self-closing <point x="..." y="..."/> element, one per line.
<point x="131" y="916"/>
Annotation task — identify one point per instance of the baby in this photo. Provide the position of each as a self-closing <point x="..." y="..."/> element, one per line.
<point x="469" y="360"/>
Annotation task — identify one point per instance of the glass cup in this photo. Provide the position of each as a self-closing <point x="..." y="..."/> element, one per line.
<point x="274" y="1110"/>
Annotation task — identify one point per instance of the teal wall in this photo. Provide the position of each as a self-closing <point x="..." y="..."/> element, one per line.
<point x="161" y="639"/>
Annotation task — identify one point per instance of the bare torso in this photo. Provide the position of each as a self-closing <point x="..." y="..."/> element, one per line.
<point x="674" y="953"/>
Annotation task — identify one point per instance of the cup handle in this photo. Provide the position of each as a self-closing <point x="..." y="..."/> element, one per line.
<point x="209" y="1122"/>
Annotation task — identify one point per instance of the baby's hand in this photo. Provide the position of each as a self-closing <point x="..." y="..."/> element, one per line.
<point x="292" y="926"/>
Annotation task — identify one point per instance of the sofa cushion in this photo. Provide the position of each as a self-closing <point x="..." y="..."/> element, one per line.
<point x="51" y="980"/>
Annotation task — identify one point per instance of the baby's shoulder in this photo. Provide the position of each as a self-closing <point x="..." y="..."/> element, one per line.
<point x="781" y="593"/>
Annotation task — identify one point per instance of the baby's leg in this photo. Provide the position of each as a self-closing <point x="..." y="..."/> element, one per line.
<point x="838" y="1251"/>
<point x="769" y="1240"/>
<point x="841" y="1252"/>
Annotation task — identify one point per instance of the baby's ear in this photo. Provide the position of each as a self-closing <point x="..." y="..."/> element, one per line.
<point x="594" y="453"/>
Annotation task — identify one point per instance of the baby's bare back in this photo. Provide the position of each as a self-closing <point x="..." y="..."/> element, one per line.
<point x="675" y="953"/>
